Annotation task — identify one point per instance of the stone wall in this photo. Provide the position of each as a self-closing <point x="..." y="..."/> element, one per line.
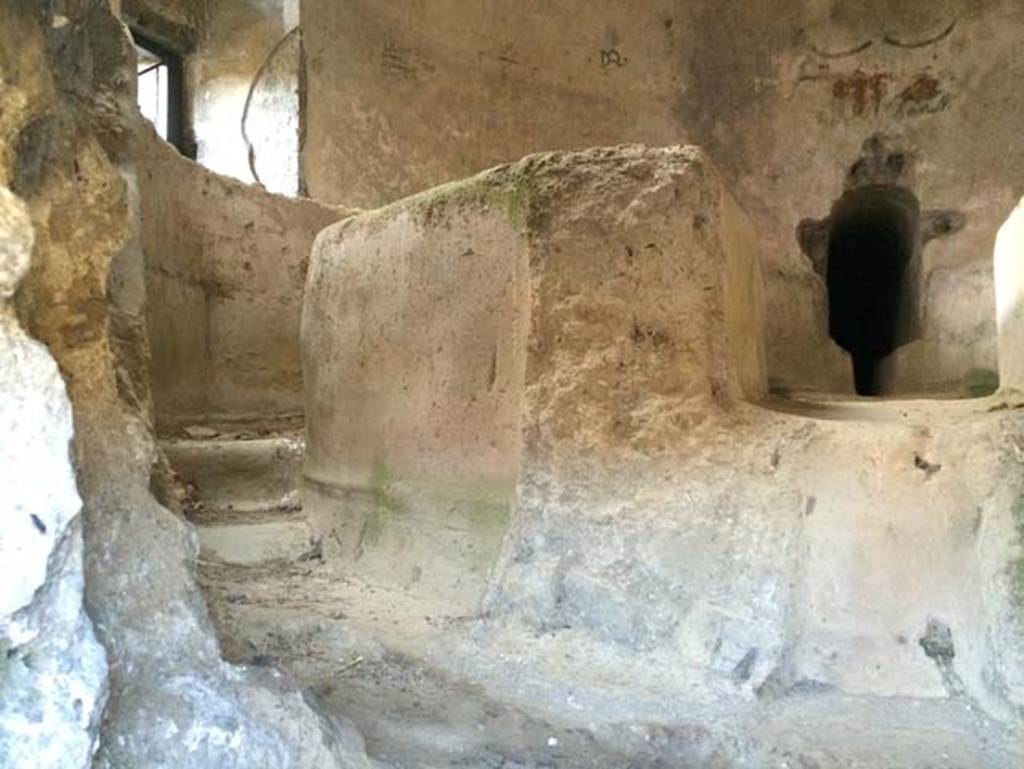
<point x="403" y="96"/>
<point x="53" y="673"/>
<point x="225" y="265"/>
<point x="237" y="52"/>
<point x="668" y="520"/>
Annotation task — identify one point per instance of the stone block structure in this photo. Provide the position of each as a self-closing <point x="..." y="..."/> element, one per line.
<point x="583" y="443"/>
<point x="551" y="308"/>
<point x="560" y="466"/>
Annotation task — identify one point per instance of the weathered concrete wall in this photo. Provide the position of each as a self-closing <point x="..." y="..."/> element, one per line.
<point x="233" y="52"/>
<point x="243" y="45"/>
<point x="667" y="518"/>
<point x="405" y="96"/>
<point x="225" y="268"/>
<point x="425" y="321"/>
<point x="68" y="131"/>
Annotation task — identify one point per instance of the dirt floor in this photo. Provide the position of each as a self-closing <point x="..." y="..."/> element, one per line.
<point x="428" y="690"/>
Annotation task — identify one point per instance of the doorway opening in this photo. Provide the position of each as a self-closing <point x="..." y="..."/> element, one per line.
<point x="872" y="240"/>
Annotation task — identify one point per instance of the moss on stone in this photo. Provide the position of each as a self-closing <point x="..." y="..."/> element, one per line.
<point x="1016" y="566"/>
<point x="519" y="189"/>
<point x="509" y="188"/>
<point x="477" y="506"/>
<point x="981" y="382"/>
<point x="385" y="506"/>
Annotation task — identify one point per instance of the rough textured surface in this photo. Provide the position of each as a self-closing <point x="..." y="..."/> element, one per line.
<point x="430" y="690"/>
<point x="572" y="530"/>
<point x="184" y="14"/>
<point x="39" y="514"/>
<point x="173" y="702"/>
<point x="679" y="547"/>
<point x="228" y="263"/>
<point x="424" y="322"/>
<point x="405" y="97"/>
<point x="52" y="669"/>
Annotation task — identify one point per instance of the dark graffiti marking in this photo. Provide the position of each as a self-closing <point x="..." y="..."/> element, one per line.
<point x="612" y="58"/>
<point x="842" y="54"/>
<point x="892" y="40"/>
<point x="397" y="61"/>
<point x="888" y="38"/>
<point x="802" y="38"/>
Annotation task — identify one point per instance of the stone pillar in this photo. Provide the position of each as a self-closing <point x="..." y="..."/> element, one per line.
<point x="566" y="308"/>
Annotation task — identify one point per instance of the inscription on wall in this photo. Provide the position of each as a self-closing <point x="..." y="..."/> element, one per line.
<point x="867" y="90"/>
<point x="865" y="93"/>
<point x="611" y="57"/>
<point x="402" y="62"/>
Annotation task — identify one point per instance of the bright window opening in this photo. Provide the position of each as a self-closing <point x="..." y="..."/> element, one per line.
<point x="154" y="93"/>
<point x="161" y="96"/>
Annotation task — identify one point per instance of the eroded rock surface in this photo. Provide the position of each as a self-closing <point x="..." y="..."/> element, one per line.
<point x="432" y="320"/>
<point x="673" y="544"/>
<point x="53" y="671"/>
<point x="67" y="135"/>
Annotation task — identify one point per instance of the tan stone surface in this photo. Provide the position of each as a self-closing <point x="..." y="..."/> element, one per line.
<point x="782" y="96"/>
<point x="225" y="264"/>
<point x="66" y="143"/>
<point x="664" y="510"/>
<point x="444" y="332"/>
<point x="53" y="676"/>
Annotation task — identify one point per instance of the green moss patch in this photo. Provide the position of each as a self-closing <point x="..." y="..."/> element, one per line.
<point x="981" y="382"/>
<point x="1016" y="566"/>
<point x="386" y="503"/>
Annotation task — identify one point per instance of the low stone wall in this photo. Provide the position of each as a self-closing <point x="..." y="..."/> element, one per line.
<point x="225" y="269"/>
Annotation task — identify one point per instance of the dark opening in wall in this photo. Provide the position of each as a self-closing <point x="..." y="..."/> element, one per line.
<point x="872" y="239"/>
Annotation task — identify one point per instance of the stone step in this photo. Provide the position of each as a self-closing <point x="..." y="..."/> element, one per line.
<point x="245" y="474"/>
<point x="226" y="536"/>
<point x="242" y="493"/>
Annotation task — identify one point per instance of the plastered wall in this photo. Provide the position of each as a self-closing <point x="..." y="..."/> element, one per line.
<point x="248" y="49"/>
<point x="235" y="52"/>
